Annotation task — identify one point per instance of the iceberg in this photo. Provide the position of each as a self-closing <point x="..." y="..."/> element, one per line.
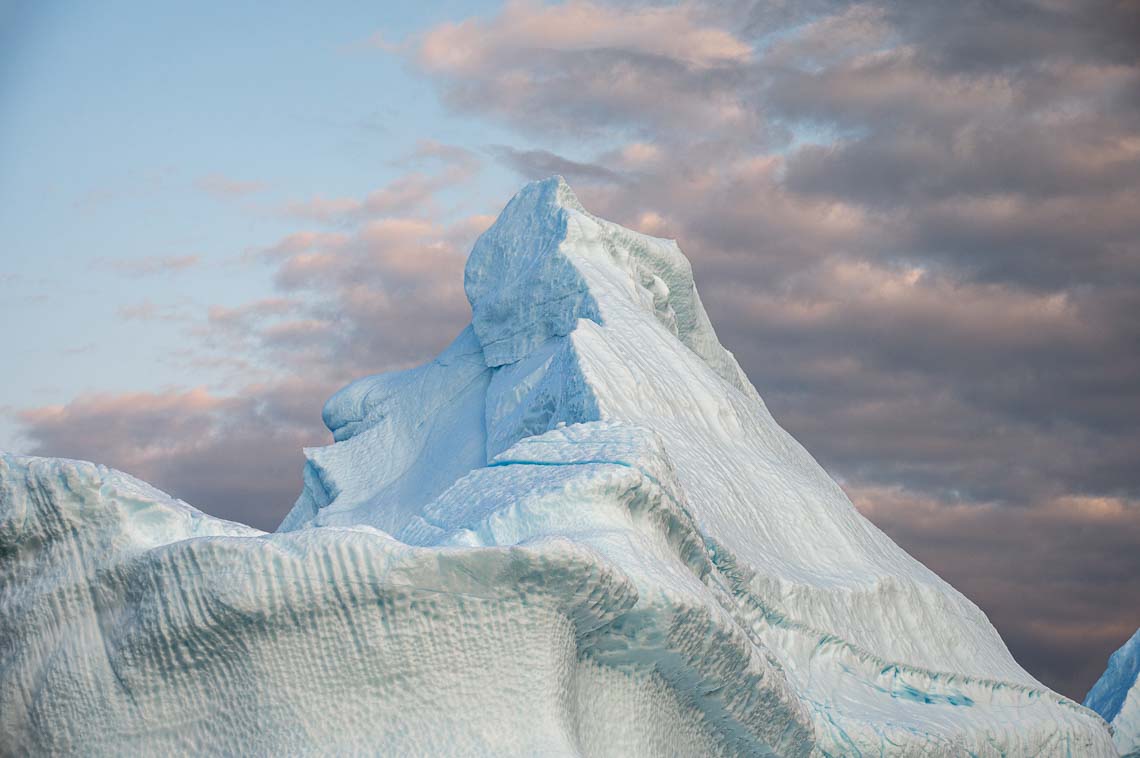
<point x="578" y="531"/>
<point x="1116" y="696"/>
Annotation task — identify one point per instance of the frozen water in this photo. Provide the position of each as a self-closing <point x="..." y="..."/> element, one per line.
<point x="1116" y="696"/>
<point x="578" y="531"/>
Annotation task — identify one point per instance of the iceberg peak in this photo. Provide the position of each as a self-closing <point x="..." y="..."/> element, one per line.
<point x="547" y="262"/>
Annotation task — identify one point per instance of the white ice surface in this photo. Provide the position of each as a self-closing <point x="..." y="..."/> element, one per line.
<point x="1116" y="696"/>
<point x="578" y="531"/>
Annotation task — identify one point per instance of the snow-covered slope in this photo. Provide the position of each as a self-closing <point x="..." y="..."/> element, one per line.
<point x="577" y="531"/>
<point x="1116" y="696"/>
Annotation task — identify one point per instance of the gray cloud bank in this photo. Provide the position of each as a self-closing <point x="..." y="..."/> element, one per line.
<point x="915" y="223"/>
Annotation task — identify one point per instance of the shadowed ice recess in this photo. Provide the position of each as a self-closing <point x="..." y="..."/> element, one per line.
<point x="578" y="531"/>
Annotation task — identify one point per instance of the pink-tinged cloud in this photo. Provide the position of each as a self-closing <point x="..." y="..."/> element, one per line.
<point x="382" y="292"/>
<point x="525" y="28"/>
<point x="236" y="456"/>
<point x="576" y="67"/>
<point x="412" y="192"/>
<point x="248" y="313"/>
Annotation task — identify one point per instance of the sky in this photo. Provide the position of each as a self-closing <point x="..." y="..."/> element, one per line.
<point x="916" y="224"/>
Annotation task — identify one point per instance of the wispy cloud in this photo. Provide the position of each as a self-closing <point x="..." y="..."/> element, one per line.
<point x="148" y="310"/>
<point x="151" y="265"/>
<point x="412" y="192"/>
<point x="546" y="163"/>
<point x="226" y="187"/>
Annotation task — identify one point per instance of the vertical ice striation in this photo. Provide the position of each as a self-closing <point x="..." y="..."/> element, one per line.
<point x="578" y="531"/>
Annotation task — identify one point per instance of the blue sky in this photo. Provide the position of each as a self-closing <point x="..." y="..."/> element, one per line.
<point x="913" y="222"/>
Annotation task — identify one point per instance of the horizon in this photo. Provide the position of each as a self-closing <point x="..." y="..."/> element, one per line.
<point x="913" y="225"/>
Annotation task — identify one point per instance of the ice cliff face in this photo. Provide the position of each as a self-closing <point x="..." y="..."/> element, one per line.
<point x="1116" y="696"/>
<point x="578" y="531"/>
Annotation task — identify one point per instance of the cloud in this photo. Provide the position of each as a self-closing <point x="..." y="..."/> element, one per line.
<point x="152" y="265"/>
<point x="386" y="294"/>
<point x="545" y="163"/>
<point x="415" y="191"/>
<point x="524" y="28"/>
<point x="148" y="310"/>
<point x="236" y="456"/>
<point x="581" y="67"/>
<point x="381" y="289"/>
<point x="1054" y="577"/>
<point x="225" y="187"/>
<point x="981" y="37"/>
<point x="407" y="193"/>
